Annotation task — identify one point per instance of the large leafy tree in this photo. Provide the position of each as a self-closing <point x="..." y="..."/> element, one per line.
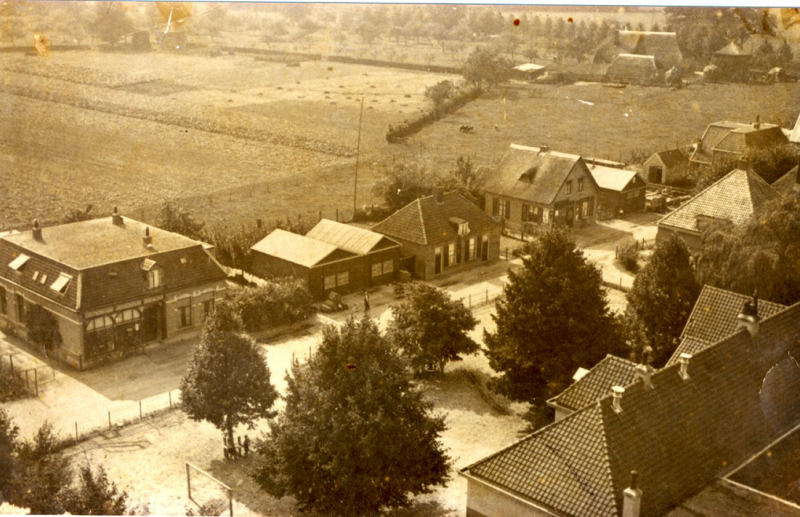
<point x="357" y="435"/>
<point x="662" y="298"/>
<point x="402" y="183"/>
<point x="553" y="319"/>
<point x="174" y="218"/>
<point x="431" y="328"/>
<point x="486" y="67"/>
<point x="95" y="495"/>
<point x="44" y="475"/>
<point x="9" y="433"/>
<point x="228" y="381"/>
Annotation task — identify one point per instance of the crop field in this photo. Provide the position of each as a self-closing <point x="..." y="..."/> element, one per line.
<point x="596" y="120"/>
<point x="130" y="130"/>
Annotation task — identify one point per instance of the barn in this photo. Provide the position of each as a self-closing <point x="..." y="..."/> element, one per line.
<point x="620" y="191"/>
<point x="633" y="68"/>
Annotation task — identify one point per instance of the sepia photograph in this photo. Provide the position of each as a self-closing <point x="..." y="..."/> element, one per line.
<point x="402" y="260"/>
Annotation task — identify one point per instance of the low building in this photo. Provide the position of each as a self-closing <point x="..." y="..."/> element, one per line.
<point x="664" y="167"/>
<point x="729" y="141"/>
<point x="528" y="71"/>
<point x="652" y="443"/>
<point x="540" y="187"/>
<point x="662" y="46"/>
<point x="114" y="285"/>
<point x="733" y="63"/>
<point x="733" y="198"/>
<point x="332" y="256"/>
<point x="634" y="69"/>
<point x="620" y="191"/>
<point x="441" y="234"/>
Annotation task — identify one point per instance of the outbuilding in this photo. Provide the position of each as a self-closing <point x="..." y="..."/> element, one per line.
<point x="664" y="166"/>
<point x="620" y="191"/>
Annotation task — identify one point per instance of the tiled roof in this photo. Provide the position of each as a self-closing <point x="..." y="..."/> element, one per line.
<point x="427" y="221"/>
<point x="680" y="435"/>
<point x="789" y="183"/>
<point x="530" y="174"/>
<point x="40" y="266"/>
<point x="663" y="46"/>
<point x="294" y="248"/>
<point x="611" y="371"/>
<point x="714" y="317"/>
<point x="794" y="137"/>
<point x="672" y="158"/>
<point x="613" y="179"/>
<point x="736" y="138"/>
<point x="347" y="237"/>
<point x="734" y="197"/>
<point x="633" y="66"/>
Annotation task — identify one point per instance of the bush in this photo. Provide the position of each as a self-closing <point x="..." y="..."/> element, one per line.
<point x="281" y="301"/>
<point x="410" y="127"/>
<point x="628" y="258"/>
<point x="11" y="387"/>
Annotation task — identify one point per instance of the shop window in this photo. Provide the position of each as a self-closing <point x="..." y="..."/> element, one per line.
<point x="185" y="316"/>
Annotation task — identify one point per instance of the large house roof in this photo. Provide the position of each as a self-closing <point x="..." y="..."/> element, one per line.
<point x="714" y="318"/>
<point x="633" y="66"/>
<point x="732" y="49"/>
<point x="294" y="248"/>
<point x="680" y="433"/>
<point x="611" y="371"/>
<point x="735" y="138"/>
<point x="347" y="237"/>
<point x="532" y="174"/>
<point x="734" y="198"/>
<point x="663" y="46"/>
<point x="428" y="221"/>
<point x="613" y="179"/>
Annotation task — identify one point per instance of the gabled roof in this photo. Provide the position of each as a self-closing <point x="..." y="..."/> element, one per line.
<point x="789" y="183"/>
<point x="613" y="179"/>
<point x="736" y="138"/>
<point x="294" y="248"/>
<point x="794" y="136"/>
<point x="347" y="237"/>
<point x="663" y="46"/>
<point x="680" y="435"/>
<point x="732" y="49"/>
<point x="427" y="221"/>
<point x="611" y="371"/>
<point x="672" y="158"/>
<point x="531" y="174"/>
<point x="633" y="66"/>
<point x="734" y="197"/>
<point x="714" y="317"/>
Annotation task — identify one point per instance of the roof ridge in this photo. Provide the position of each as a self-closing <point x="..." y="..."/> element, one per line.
<point x="422" y="221"/>
<point x="697" y="196"/>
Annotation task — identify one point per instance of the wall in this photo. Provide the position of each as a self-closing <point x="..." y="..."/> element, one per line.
<point x="193" y="296"/>
<point x="611" y="201"/>
<point x="424" y="263"/>
<point x="484" y="501"/>
<point x="693" y="240"/>
<point x="654" y="161"/>
<point x="514" y="220"/>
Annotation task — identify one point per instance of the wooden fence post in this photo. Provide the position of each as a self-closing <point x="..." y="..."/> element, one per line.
<point x="36" y="381"/>
<point x="188" y="481"/>
<point x="140" y="410"/>
<point x="170" y="399"/>
<point x="76" y="429"/>
<point x="109" y="419"/>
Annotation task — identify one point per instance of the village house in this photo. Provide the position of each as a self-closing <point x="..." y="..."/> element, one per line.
<point x="729" y="141"/>
<point x="664" y="167"/>
<point x="331" y="257"/>
<point x="540" y="187"/>
<point x="113" y="284"/>
<point x="619" y="191"/>
<point x="443" y="233"/>
<point x="733" y="198"/>
<point x="678" y="441"/>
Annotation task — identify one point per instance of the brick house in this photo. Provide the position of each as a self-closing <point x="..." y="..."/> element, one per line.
<point x="114" y="285"/>
<point x="727" y="140"/>
<point x="332" y="256"/>
<point x="664" y="166"/>
<point x="619" y="191"/>
<point x="443" y="233"/>
<point x="534" y="185"/>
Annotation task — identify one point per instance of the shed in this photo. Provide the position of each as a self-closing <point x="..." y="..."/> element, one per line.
<point x="663" y="167"/>
<point x="620" y="191"/>
<point x="528" y="71"/>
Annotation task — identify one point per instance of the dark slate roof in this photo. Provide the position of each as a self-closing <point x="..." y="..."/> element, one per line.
<point x="42" y="266"/>
<point x="530" y="174"/>
<point x="680" y="435"/>
<point x="714" y="317"/>
<point x="349" y="238"/>
<point x="427" y="221"/>
<point x="633" y="66"/>
<point x="611" y="371"/>
<point x="672" y="158"/>
<point x="789" y="183"/>
<point x="733" y="197"/>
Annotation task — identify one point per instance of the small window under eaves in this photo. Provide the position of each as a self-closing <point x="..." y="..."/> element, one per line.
<point x="61" y="283"/>
<point x="18" y="262"/>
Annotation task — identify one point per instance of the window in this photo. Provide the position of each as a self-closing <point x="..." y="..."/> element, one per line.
<point x="545" y="215"/>
<point x="154" y="278"/>
<point x="506" y="209"/>
<point x="43" y="278"/>
<point x="569" y="187"/>
<point x="330" y="282"/>
<point x="495" y="206"/>
<point x="585" y="208"/>
<point x="99" y="323"/>
<point x="18" y="262"/>
<point x="376" y="270"/>
<point x="388" y="266"/>
<point x="208" y="308"/>
<point x="342" y="279"/>
<point x="471" y="249"/>
<point x="451" y="253"/>
<point x="524" y="214"/>
<point x="61" y="283"/>
<point x="185" y="316"/>
<point x="20" y="308"/>
<point x="3" y="301"/>
<point x="580" y="184"/>
<point x="35" y="276"/>
<point x="501" y="207"/>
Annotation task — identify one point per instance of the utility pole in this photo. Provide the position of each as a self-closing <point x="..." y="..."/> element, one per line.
<point x="358" y="152"/>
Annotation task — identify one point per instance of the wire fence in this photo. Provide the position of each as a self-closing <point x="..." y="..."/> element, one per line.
<point x="33" y="380"/>
<point x="479" y="299"/>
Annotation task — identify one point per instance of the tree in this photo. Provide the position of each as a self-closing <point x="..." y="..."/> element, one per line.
<point x="357" y="434"/>
<point x="486" y="67"/>
<point x="662" y="298"/>
<point x="765" y="55"/>
<point x="465" y="179"/>
<point x="9" y="467"/>
<point x="75" y="215"/>
<point x="111" y="22"/>
<point x="42" y="327"/>
<point x="553" y="319"/>
<point x="174" y="218"/>
<point x="785" y="57"/>
<point x="431" y="329"/>
<point x="402" y="183"/>
<point x="94" y="495"/>
<point x="772" y="162"/>
<point x="439" y="93"/>
<point x="228" y="381"/>
<point x="44" y="477"/>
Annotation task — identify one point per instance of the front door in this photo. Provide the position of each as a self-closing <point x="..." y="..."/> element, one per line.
<point x="485" y="248"/>
<point x="570" y="216"/>
<point x="151" y="322"/>
<point x="437" y="261"/>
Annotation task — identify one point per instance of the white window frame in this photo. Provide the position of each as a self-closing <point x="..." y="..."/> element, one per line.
<point x="451" y="254"/>
<point x="473" y="248"/>
<point x="154" y="278"/>
<point x="585" y="208"/>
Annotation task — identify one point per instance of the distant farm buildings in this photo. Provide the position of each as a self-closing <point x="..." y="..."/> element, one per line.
<point x="730" y="63"/>
<point x="639" y="57"/>
<point x="633" y="68"/>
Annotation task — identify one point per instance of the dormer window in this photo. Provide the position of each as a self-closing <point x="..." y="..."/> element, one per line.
<point x="461" y="225"/>
<point x="18" y="262"/>
<point x="154" y="278"/>
<point x="62" y="283"/>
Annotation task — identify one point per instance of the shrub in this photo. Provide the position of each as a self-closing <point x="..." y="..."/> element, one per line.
<point x="410" y="127"/>
<point x="628" y="256"/>
<point x="281" y="301"/>
<point x="11" y="387"/>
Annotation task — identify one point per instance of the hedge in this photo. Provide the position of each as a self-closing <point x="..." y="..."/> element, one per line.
<point x="410" y="127"/>
<point x="281" y="301"/>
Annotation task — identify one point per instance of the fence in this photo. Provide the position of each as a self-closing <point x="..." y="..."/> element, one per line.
<point x="479" y="299"/>
<point x="638" y="245"/>
<point x="32" y="379"/>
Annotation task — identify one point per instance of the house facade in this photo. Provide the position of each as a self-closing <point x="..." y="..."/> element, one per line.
<point x="442" y="234"/>
<point x="663" y="167"/>
<point x="619" y="192"/>
<point x="331" y="257"/>
<point x="536" y="186"/>
<point x="113" y="284"/>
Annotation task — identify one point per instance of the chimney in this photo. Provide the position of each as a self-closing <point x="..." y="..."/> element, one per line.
<point x="757" y="123"/>
<point x="544" y="148"/>
<point x="148" y="241"/>
<point x="748" y="318"/>
<point x="684" y="368"/>
<point x="632" y="497"/>
<point x="616" y="398"/>
<point x="37" y="230"/>
<point x="438" y="193"/>
<point x="116" y="218"/>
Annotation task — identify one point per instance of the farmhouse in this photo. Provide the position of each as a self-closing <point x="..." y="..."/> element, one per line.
<point x="620" y="191"/>
<point x="633" y="68"/>
<point x="732" y="63"/>
<point x="734" y="198"/>
<point x="441" y="234"/>
<point x="537" y="186"/>
<point x="731" y="140"/>
<point x="113" y="284"/>
<point x="332" y="256"/>
<point x="664" y="166"/>
<point x="656" y="439"/>
<point x="661" y="46"/>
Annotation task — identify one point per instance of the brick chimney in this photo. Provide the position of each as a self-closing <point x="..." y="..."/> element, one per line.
<point x="147" y="240"/>
<point x="438" y="194"/>
<point x="632" y="497"/>
<point x="757" y="123"/>
<point x="616" y="398"/>
<point x="116" y="218"/>
<point x="36" y="230"/>
<point x="684" y="368"/>
<point x="748" y="318"/>
<point x="544" y="148"/>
